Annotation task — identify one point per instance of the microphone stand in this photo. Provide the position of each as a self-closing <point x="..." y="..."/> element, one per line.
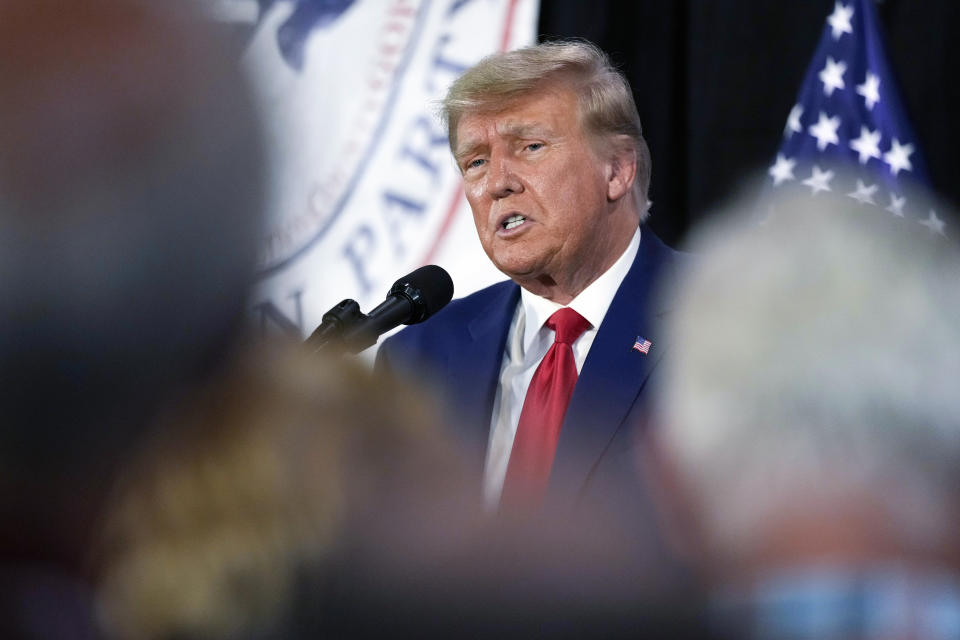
<point x="390" y="313"/>
<point x="345" y="328"/>
<point x="340" y="318"/>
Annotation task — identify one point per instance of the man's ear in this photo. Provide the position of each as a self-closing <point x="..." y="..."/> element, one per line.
<point x="622" y="168"/>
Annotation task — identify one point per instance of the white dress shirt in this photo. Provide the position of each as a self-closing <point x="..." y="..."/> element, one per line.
<point x="528" y="341"/>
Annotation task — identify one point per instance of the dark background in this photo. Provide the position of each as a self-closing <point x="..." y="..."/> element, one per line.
<point x="714" y="81"/>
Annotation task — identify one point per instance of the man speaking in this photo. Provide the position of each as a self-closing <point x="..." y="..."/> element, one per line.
<point x="547" y="371"/>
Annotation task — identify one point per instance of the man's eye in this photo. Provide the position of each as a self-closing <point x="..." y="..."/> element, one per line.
<point x="534" y="146"/>
<point x="476" y="162"/>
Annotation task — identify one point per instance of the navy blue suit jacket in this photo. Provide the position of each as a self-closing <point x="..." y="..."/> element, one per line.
<point x="461" y="348"/>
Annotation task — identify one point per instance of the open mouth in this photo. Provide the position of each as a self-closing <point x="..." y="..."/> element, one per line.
<point x="513" y="221"/>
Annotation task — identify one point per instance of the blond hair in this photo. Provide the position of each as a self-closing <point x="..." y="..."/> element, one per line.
<point x="607" y="109"/>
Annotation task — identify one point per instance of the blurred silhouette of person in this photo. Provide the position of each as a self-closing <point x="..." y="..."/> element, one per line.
<point x="263" y="475"/>
<point x="808" y="437"/>
<point x="130" y="202"/>
<point x="291" y="498"/>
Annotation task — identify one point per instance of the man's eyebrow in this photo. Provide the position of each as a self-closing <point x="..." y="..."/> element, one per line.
<point x="524" y="130"/>
<point x="511" y="129"/>
<point x="465" y="149"/>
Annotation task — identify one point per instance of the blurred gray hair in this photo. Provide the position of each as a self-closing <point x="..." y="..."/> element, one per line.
<point x="817" y="357"/>
<point x="607" y="109"/>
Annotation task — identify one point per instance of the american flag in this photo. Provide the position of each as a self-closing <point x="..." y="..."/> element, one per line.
<point x="641" y="345"/>
<point x="848" y="132"/>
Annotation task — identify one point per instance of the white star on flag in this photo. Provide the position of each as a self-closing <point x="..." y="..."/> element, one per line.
<point x="839" y="20"/>
<point x="863" y="193"/>
<point x="793" y="121"/>
<point x="851" y="122"/>
<point x="825" y="131"/>
<point x="897" y="204"/>
<point x="867" y="145"/>
<point x="898" y="157"/>
<point x="782" y="169"/>
<point x="819" y="180"/>
<point x="870" y="90"/>
<point x="935" y="224"/>
<point x="832" y="75"/>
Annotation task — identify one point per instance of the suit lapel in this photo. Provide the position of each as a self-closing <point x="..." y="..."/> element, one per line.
<point x="474" y="366"/>
<point x="614" y="374"/>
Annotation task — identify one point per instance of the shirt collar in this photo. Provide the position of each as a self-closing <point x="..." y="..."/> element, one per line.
<point x="592" y="303"/>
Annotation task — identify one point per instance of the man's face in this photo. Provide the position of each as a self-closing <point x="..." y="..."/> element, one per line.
<point x="539" y="192"/>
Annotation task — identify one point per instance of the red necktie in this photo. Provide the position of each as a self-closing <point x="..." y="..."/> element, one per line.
<point x="542" y="415"/>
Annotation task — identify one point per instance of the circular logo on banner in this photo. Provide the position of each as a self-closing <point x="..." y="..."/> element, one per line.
<point x="329" y="88"/>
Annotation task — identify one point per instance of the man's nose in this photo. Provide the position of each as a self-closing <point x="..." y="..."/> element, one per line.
<point x="502" y="181"/>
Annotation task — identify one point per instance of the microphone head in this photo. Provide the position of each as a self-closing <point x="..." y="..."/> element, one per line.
<point x="428" y="289"/>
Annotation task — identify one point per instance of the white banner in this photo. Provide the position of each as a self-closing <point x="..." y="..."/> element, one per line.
<point x="364" y="188"/>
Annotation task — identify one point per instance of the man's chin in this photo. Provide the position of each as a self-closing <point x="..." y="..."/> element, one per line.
<point x="518" y="272"/>
<point x="534" y="280"/>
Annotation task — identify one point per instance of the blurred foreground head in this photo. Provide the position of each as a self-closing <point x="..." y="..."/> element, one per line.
<point x="263" y="477"/>
<point x="301" y="498"/>
<point x="810" y="411"/>
<point x="130" y="193"/>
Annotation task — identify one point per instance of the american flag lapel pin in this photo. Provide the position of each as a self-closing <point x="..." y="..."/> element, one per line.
<point x="642" y="345"/>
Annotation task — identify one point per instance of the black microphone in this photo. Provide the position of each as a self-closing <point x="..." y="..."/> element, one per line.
<point x="412" y="299"/>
